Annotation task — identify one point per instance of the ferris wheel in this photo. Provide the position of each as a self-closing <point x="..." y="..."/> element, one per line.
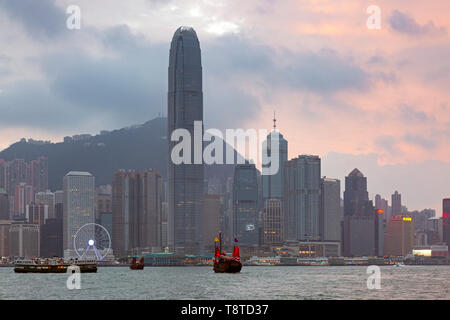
<point x="92" y="241"/>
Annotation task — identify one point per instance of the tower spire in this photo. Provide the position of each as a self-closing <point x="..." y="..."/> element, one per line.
<point x="274" y="121"/>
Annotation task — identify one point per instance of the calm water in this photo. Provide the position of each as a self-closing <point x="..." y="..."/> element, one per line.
<point x="410" y="282"/>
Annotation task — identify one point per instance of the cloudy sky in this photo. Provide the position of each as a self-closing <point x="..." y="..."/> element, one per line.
<point x="373" y="99"/>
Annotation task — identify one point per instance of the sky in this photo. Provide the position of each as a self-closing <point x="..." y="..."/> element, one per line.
<point x="375" y="99"/>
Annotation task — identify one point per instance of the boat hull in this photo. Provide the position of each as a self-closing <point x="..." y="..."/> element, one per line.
<point x="137" y="267"/>
<point x="53" y="269"/>
<point x="227" y="266"/>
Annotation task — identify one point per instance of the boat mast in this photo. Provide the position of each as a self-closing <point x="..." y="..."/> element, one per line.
<point x="220" y="242"/>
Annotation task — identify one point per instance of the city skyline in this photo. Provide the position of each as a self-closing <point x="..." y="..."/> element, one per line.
<point x="342" y="83"/>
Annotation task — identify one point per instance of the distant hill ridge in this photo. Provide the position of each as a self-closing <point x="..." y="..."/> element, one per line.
<point x="137" y="147"/>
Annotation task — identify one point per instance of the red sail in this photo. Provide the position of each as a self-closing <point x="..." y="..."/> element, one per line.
<point x="217" y="252"/>
<point x="142" y="260"/>
<point x="133" y="261"/>
<point x="236" y="252"/>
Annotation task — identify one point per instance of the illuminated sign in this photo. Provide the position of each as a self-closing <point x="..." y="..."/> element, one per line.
<point x="407" y="219"/>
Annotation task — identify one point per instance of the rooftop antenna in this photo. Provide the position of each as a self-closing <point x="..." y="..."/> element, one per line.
<point x="274" y="121"/>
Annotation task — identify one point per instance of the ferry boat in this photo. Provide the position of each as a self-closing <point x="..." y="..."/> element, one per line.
<point x="57" y="265"/>
<point x="224" y="263"/>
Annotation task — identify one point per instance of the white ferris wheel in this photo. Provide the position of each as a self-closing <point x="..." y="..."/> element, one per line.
<point x="92" y="241"/>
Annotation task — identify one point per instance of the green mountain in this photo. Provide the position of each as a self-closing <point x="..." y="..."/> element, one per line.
<point x="138" y="147"/>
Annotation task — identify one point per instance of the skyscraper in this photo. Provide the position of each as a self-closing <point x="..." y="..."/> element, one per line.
<point x="396" y="204"/>
<point x="185" y="105"/>
<point x="79" y="206"/>
<point x="272" y="185"/>
<point x="356" y="197"/>
<point x="37" y="174"/>
<point x="3" y="166"/>
<point x="446" y="221"/>
<point x="245" y="205"/>
<point x="359" y="219"/>
<point x="331" y="215"/>
<point x="302" y="198"/>
<point x="211" y="222"/>
<point x="4" y="205"/>
<point x="46" y="198"/>
<point x="382" y="204"/>
<point x="273" y="221"/>
<point x="399" y="236"/>
<point x="136" y="207"/>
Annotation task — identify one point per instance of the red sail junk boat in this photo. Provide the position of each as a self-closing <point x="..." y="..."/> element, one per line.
<point x="224" y="263"/>
<point x="137" y="266"/>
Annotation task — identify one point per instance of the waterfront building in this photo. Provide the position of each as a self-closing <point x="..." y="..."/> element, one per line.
<point x="136" y="212"/>
<point x="185" y="181"/>
<point x="79" y="207"/>
<point x="24" y="240"/>
<point x="446" y="221"/>
<point x="331" y="213"/>
<point x="245" y="205"/>
<point x="399" y="236"/>
<point x="302" y="198"/>
<point x="4" y="237"/>
<point x="273" y="222"/>
<point x="46" y="198"/>
<point x="51" y="234"/>
<point x="211" y="219"/>
<point x="359" y="220"/>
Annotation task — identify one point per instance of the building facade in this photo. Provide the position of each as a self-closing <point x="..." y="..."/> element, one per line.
<point x="331" y="212"/>
<point x="302" y="198"/>
<point x="399" y="236"/>
<point x="359" y="221"/>
<point x="136" y="212"/>
<point x="273" y="222"/>
<point x="211" y="219"/>
<point x="185" y="181"/>
<point x="446" y="221"/>
<point x="24" y="240"/>
<point x="79" y="207"/>
<point x="396" y="204"/>
<point x="245" y="205"/>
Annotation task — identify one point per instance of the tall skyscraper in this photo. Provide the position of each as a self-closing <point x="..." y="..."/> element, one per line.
<point x="302" y="198"/>
<point x="185" y="105"/>
<point x="446" y="221"/>
<point x="3" y="165"/>
<point x="245" y="205"/>
<point x="382" y="204"/>
<point x="359" y="220"/>
<point x="37" y="174"/>
<point x="211" y="220"/>
<point x="396" y="204"/>
<point x="24" y="196"/>
<point x="272" y="185"/>
<point x="331" y="213"/>
<point x="399" y="236"/>
<point x="356" y="197"/>
<point x="79" y="206"/>
<point x="4" y="237"/>
<point x="46" y="198"/>
<point x="136" y="207"/>
<point x="4" y="205"/>
<point x="273" y="222"/>
<point x="24" y="240"/>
